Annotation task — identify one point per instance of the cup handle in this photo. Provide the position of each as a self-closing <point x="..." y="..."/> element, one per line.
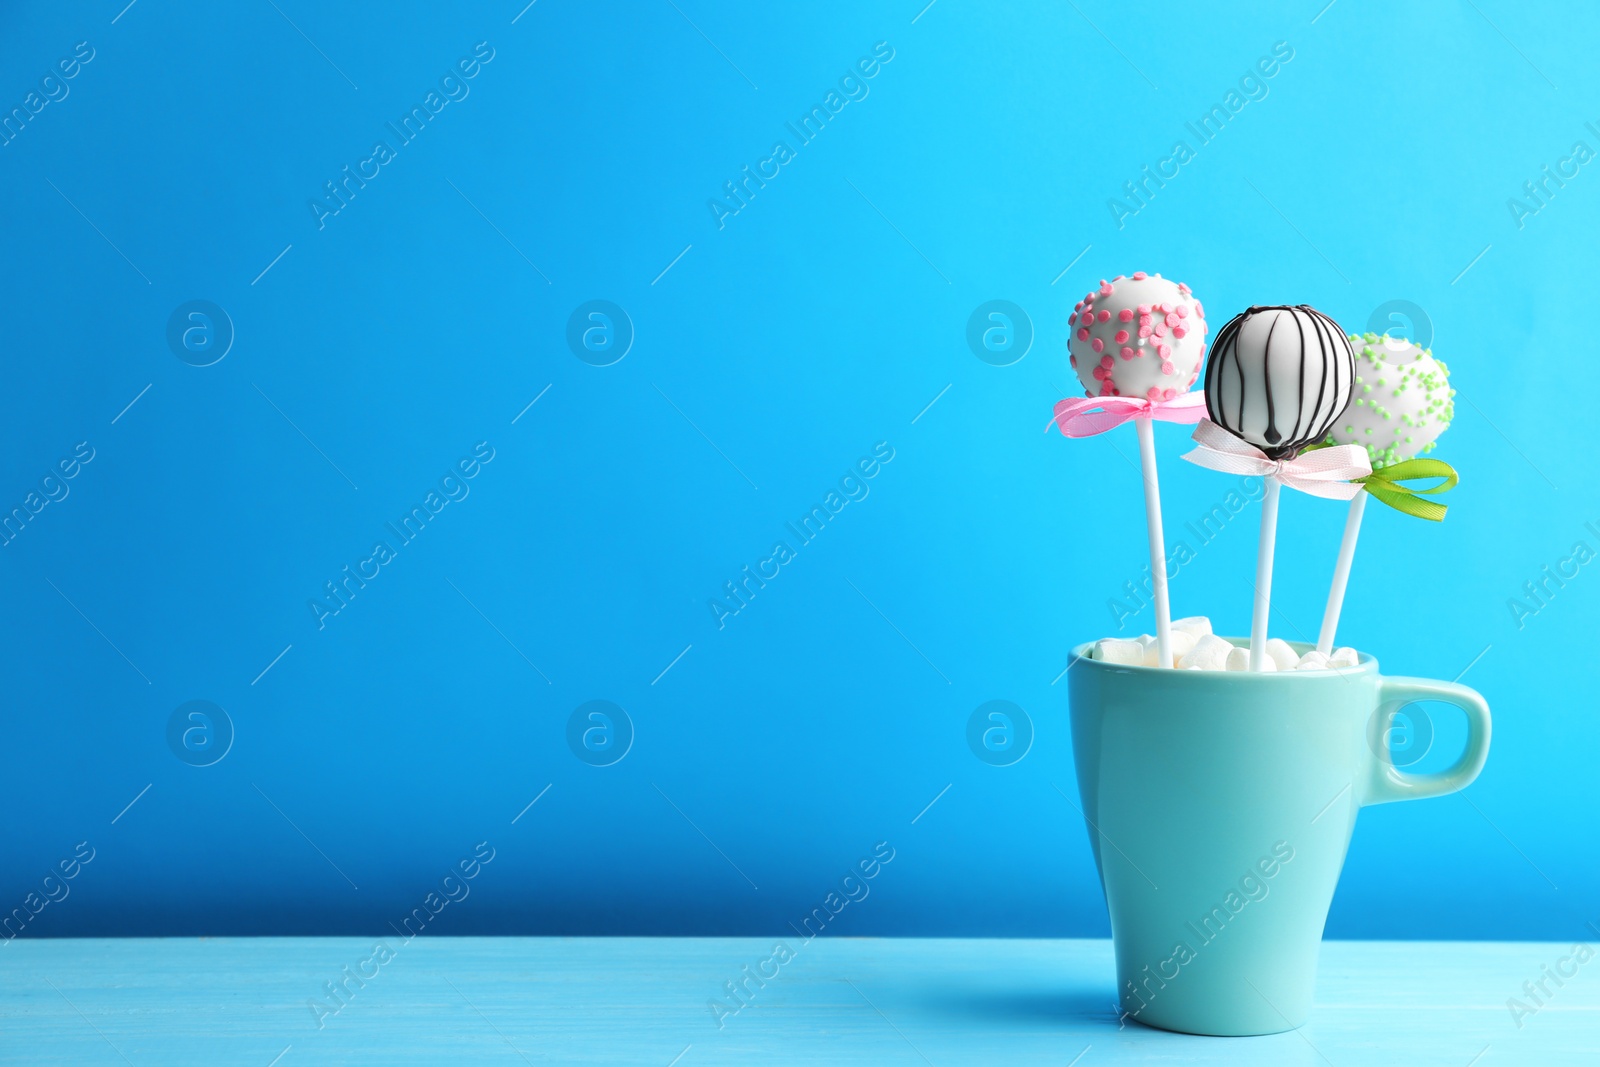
<point x="1389" y="784"/>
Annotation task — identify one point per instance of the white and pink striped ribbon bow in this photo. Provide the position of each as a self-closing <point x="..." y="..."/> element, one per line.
<point x="1325" y="472"/>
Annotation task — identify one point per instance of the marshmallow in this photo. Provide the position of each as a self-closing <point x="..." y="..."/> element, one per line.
<point x="1210" y="653"/>
<point x="1281" y="654"/>
<point x="1239" y="660"/>
<point x="1195" y="648"/>
<point x="1181" y="644"/>
<point x="1312" y="661"/>
<point x="1111" y="650"/>
<point x="1152" y="656"/>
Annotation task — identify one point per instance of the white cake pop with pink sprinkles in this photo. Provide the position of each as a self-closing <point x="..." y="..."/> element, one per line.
<point x="1140" y="336"/>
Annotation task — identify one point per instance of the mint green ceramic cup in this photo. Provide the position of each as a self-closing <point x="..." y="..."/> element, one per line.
<point x="1220" y="806"/>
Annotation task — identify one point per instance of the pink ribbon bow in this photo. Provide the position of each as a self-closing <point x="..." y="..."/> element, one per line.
<point x="1089" y="415"/>
<point x="1325" y="472"/>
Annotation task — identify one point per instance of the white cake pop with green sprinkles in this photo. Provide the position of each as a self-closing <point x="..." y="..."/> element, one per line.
<point x="1402" y="400"/>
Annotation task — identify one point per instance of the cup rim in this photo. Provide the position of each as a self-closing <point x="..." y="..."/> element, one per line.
<point x="1366" y="665"/>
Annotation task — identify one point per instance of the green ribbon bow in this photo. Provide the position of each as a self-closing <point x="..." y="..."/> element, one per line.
<point x="1384" y="485"/>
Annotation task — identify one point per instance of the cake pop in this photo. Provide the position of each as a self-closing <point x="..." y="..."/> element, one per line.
<point x="1140" y="336"/>
<point x="1136" y="345"/>
<point x="1402" y="403"/>
<point x="1402" y="400"/>
<point x="1279" y="377"/>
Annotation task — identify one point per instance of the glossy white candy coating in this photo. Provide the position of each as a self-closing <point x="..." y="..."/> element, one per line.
<point x="1279" y="377"/>
<point x="1402" y="400"/>
<point x="1140" y="336"/>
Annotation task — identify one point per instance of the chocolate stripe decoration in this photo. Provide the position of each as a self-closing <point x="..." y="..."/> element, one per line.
<point x="1270" y="363"/>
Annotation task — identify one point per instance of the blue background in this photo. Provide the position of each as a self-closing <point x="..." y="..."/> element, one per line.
<point x="821" y="319"/>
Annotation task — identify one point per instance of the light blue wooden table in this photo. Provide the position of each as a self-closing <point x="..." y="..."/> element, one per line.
<point x="942" y="1003"/>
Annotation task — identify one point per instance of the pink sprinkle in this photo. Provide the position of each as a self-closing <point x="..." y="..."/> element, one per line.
<point x="1179" y="331"/>
<point x="1105" y="289"/>
<point x="1125" y="315"/>
<point x="1172" y="318"/>
<point x="1128" y="353"/>
<point x="1072" y="318"/>
<point x="1144" y="309"/>
<point x="1144" y="331"/>
<point x="1139" y="275"/>
<point x="1160" y="330"/>
<point x="1103" y="315"/>
<point x="1145" y="320"/>
<point x="1100" y="374"/>
<point x="1184" y="289"/>
<point x="1154" y="393"/>
<point x="1166" y="367"/>
<point x="1183" y="311"/>
<point x="1106" y="389"/>
<point x="1074" y="361"/>
<point x="1198" y="310"/>
<point x="1115" y="391"/>
<point x="1098" y="345"/>
<point x="1121" y="338"/>
<point x="1083" y="333"/>
<point x="1168" y="394"/>
<point x="1118" y="278"/>
<point x="1165" y="351"/>
<point x="1105" y="361"/>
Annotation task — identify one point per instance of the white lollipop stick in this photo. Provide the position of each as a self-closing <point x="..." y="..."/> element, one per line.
<point x="1341" y="572"/>
<point x="1263" y="605"/>
<point x="1158" y="546"/>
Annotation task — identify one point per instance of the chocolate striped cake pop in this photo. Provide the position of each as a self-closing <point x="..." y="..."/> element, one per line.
<point x="1279" y="377"/>
<point x="1142" y="336"/>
